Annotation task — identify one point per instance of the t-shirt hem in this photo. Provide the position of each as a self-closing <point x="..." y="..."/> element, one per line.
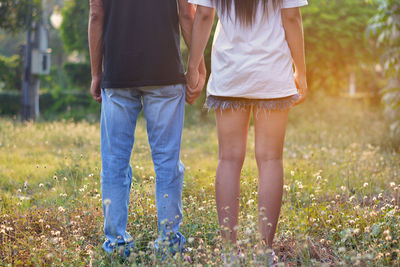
<point x="293" y="4"/>
<point x="285" y="93"/>
<point x="121" y="85"/>
<point x="206" y="3"/>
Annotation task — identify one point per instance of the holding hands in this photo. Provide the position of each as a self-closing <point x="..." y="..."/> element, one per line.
<point x="195" y="80"/>
<point x="196" y="74"/>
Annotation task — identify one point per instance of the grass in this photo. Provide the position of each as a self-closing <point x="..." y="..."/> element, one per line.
<point x="340" y="207"/>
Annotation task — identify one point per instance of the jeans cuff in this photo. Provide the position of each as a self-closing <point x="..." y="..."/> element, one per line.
<point x="122" y="247"/>
<point x="172" y="244"/>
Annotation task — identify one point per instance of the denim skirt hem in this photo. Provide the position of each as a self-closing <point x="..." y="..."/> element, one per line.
<point x="235" y="103"/>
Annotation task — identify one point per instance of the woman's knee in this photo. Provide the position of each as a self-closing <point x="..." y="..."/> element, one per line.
<point x="232" y="155"/>
<point x="265" y="156"/>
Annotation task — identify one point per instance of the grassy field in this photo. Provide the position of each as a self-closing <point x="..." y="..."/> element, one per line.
<point x="340" y="207"/>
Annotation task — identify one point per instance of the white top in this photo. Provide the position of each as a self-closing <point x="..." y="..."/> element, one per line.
<point x="252" y="62"/>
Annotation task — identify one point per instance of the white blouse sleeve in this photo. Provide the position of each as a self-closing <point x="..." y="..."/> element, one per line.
<point x="294" y="3"/>
<point x="207" y="3"/>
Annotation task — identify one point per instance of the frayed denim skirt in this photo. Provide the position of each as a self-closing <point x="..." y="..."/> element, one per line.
<point x="235" y="103"/>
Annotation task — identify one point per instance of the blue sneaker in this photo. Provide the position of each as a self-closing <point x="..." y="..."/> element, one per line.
<point x="170" y="245"/>
<point x="122" y="248"/>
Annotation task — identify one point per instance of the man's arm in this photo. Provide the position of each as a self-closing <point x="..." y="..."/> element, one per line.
<point x="96" y="19"/>
<point x="186" y="20"/>
<point x="292" y="22"/>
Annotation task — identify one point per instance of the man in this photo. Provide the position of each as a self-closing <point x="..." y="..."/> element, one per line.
<point x="136" y="63"/>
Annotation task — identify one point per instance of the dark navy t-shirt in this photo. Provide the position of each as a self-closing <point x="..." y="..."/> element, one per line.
<point x="141" y="42"/>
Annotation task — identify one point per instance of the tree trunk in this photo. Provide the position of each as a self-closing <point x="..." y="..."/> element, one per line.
<point x="27" y="76"/>
<point x="352" y="86"/>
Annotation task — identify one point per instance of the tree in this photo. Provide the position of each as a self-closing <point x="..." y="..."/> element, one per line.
<point x="336" y="44"/>
<point x="15" y="15"/>
<point x="11" y="60"/>
<point x="75" y="39"/>
<point x="335" y="41"/>
<point x="10" y="72"/>
<point x="385" y="26"/>
<point x="74" y="26"/>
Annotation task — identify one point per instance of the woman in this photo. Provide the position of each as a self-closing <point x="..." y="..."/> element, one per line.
<point x="256" y="44"/>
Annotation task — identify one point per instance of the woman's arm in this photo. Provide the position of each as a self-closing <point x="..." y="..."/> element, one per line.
<point x="186" y="20"/>
<point x="292" y="22"/>
<point x="202" y="26"/>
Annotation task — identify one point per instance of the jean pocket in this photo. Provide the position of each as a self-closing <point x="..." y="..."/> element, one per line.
<point x="173" y="90"/>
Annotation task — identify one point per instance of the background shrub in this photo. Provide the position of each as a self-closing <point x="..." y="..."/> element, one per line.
<point x="78" y="75"/>
<point x="10" y="72"/>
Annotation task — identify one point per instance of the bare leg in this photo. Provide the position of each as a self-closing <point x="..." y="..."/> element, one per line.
<point x="270" y="130"/>
<point x="232" y="126"/>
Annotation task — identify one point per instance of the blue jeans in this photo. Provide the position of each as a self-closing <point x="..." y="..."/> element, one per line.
<point x="164" y="112"/>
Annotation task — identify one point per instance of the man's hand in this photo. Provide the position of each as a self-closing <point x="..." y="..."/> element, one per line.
<point x="301" y="84"/>
<point x="195" y="79"/>
<point x="95" y="89"/>
<point x="192" y="78"/>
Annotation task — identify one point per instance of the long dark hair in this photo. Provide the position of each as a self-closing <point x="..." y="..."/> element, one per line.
<point x="245" y="10"/>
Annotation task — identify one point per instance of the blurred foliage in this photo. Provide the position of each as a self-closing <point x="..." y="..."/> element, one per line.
<point x="12" y="38"/>
<point x="9" y="103"/>
<point x="59" y="55"/>
<point x="335" y="41"/>
<point x="10" y="72"/>
<point x="385" y="27"/>
<point x="10" y="43"/>
<point x="75" y="26"/>
<point x="58" y="103"/>
<point x="15" y="15"/>
<point x="53" y="81"/>
<point x="335" y="45"/>
<point x="78" y="75"/>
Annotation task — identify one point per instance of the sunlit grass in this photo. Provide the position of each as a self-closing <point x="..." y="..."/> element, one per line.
<point x="340" y="207"/>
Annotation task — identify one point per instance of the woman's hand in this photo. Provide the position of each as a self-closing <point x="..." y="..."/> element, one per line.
<point x="196" y="75"/>
<point x="292" y="23"/>
<point x="195" y="80"/>
<point x="302" y="87"/>
<point x="192" y="83"/>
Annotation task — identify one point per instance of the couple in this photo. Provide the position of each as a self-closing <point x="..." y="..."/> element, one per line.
<point x="136" y="64"/>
